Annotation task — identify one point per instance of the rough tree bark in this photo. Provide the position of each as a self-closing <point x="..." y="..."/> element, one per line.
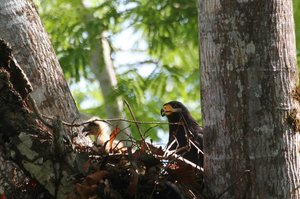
<point x="249" y="98"/>
<point x="36" y="145"/>
<point x="20" y="25"/>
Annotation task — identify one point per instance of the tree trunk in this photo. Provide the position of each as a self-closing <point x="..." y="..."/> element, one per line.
<point x="249" y="99"/>
<point x="21" y="26"/>
<point x="39" y="147"/>
<point x="102" y="67"/>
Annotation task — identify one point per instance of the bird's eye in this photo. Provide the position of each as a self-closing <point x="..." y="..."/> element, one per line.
<point x="174" y="106"/>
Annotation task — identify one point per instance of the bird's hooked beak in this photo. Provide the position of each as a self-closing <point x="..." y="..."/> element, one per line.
<point x="92" y="128"/>
<point x="168" y="110"/>
<point x="86" y="129"/>
<point x="162" y="112"/>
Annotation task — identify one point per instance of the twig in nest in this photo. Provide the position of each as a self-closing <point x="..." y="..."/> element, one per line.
<point x="112" y="120"/>
<point x="150" y="128"/>
<point x="133" y="117"/>
<point x="37" y="112"/>
<point x="175" y="154"/>
<point x="137" y="125"/>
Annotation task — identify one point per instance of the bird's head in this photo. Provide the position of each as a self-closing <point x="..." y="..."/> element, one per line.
<point x="92" y="128"/>
<point x="173" y="111"/>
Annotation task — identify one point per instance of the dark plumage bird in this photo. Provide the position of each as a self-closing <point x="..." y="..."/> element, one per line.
<point x="184" y="134"/>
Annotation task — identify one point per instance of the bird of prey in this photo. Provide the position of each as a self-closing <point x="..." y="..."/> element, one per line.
<point x="97" y="129"/>
<point x="185" y="135"/>
<point x="101" y="132"/>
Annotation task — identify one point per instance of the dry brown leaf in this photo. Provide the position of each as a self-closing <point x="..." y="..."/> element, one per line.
<point x="183" y="173"/>
<point x="112" y="137"/>
<point x="84" y="190"/>
<point x="187" y="175"/>
<point x="154" y="150"/>
<point x="95" y="178"/>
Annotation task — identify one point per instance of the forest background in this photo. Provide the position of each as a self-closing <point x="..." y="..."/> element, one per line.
<point x="143" y="51"/>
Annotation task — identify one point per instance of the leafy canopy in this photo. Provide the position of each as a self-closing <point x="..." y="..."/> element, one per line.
<point x="169" y="30"/>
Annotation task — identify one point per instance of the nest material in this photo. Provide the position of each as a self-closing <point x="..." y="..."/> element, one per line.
<point x="141" y="174"/>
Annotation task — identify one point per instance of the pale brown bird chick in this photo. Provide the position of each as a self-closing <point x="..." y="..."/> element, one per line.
<point x="101" y="133"/>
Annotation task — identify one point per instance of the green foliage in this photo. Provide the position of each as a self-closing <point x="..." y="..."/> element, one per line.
<point x="166" y="24"/>
<point x="75" y="27"/>
<point x="169" y="28"/>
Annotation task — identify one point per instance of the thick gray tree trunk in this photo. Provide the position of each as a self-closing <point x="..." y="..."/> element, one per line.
<point x="21" y="26"/>
<point x="248" y="82"/>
